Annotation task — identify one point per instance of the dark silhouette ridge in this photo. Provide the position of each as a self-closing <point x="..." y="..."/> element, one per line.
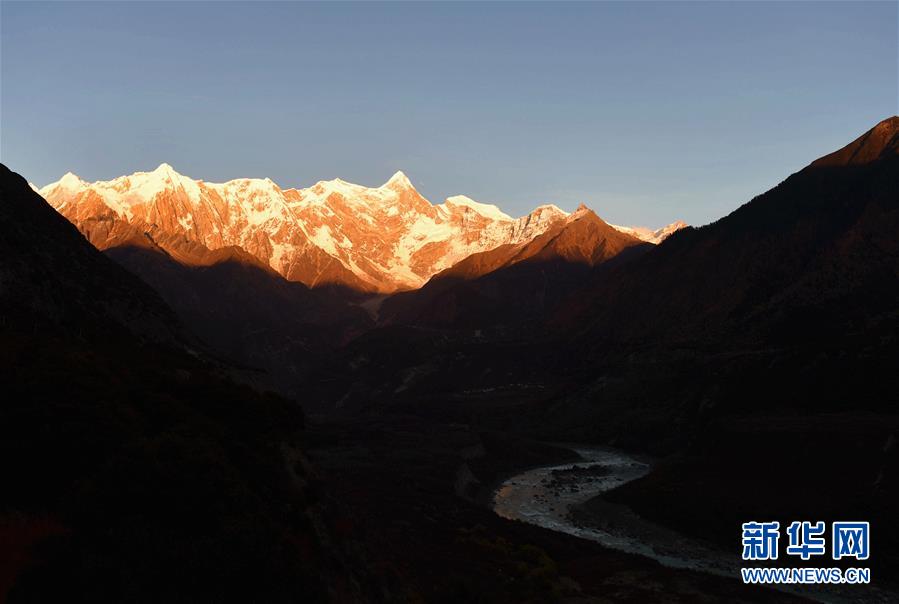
<point x="132" y="470"/>
<point x="825" y="239"/>
<point x="51" y="272"/>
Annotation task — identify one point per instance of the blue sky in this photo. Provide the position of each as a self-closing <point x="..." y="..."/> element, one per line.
<point x="647" y="112"/>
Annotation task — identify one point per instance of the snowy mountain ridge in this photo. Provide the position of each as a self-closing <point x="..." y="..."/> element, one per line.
<point x="377" y="239"/>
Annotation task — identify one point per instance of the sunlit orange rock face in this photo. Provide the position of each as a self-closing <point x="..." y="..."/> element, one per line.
<point x="369" y="239"/>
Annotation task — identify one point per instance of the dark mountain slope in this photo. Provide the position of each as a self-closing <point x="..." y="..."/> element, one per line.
<point x="819" y="247"/>
<point x="132" y="471"/>
<point x="50" y="272"/>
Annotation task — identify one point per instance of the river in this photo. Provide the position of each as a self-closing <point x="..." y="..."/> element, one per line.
<point x="551" y="496"/>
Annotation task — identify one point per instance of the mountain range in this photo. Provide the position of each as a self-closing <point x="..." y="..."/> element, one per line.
<point x="334" y="233"/>
<point x="754" y="357"/>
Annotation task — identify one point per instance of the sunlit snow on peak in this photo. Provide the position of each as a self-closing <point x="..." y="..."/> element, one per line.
<point x="388" y="237"/>
<point x="399" y="179"/>
<point x="484" y="209"/>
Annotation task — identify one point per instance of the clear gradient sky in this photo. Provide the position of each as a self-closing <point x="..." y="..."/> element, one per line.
<point x="647" y="112"/>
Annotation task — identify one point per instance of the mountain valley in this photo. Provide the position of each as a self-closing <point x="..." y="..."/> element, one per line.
<point x="435" y="350"/>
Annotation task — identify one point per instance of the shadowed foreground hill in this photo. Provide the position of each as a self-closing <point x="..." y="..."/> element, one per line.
<point x="132" y="470"/>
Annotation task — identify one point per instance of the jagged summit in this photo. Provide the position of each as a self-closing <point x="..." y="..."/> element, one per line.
<point x="399" y="179"/>
<point x="164" y="168"/>
<point x="70" y="180"/>
<point x="167" y="174"/>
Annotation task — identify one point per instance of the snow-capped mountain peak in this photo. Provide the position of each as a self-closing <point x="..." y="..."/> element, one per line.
<point x="484" y="209"/>
<point x="164" y="169"/>
<point x="399" y="180"/>
<point x="551" y="208"/>
<point x="70" y="181"/>
<point x="335" y="232"/>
